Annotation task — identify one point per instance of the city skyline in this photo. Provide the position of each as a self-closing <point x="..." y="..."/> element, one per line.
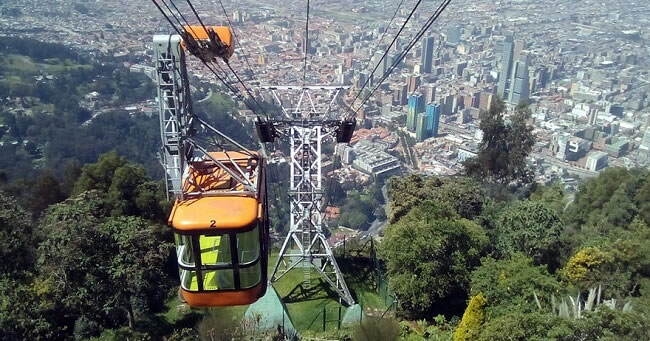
<point x="582" y="69"/>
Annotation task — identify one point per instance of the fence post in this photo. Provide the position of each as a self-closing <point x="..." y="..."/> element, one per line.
<point x="385" y="297"/>
<point x="339" y="320"/>
<point x="324" y="317"/>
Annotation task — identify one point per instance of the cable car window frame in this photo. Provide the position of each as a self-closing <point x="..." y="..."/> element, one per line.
<point x="199" y="268"/>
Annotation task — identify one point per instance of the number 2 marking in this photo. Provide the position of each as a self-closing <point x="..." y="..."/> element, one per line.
<point x="213" y="223"/>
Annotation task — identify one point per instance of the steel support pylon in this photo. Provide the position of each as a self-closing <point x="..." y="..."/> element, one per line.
<point x="174" y="106"/>
<point x="305" y="246"/>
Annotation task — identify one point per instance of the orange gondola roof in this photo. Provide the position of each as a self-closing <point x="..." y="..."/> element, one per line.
<point x="225" y="210"/>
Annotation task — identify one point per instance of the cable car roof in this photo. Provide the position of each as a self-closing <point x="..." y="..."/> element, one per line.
<point x="218" y="213"/>
<point x="213" y="198"/>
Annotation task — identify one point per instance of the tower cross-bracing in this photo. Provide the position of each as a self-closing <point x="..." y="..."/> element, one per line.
<point x="307" y="125"/>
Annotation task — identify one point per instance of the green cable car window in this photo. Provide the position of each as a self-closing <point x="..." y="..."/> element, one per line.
<point x="218" y="279"/>
<point x="248" y="246"/>
<point x="188" y="280"/>
<point x="212" y="280"/>
<point x="215" y="250"/>
<point x="250" y="276"/>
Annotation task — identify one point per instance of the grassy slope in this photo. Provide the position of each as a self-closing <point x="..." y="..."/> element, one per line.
<point x="18" y="69"/>
<point x="18" y="64"/>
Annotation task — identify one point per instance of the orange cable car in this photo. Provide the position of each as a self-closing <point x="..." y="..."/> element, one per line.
<point x="221" y="230"/>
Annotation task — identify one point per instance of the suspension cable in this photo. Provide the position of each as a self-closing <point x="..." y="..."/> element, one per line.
<point x="222" y="79"/>
<point x="247" y="90"/>
<point x="390" y="23"/>
<point x="401" y="56"/>
<point x="228" y="64"/>
<point x="230" y="87"/>
<point x="167" y="17"/>
<point x="187" y="23"/>
<point x="237" y="38"/>
<point x="196" y="14"/>
<point x="378" y="42"/>
<point x="386" y="52"/>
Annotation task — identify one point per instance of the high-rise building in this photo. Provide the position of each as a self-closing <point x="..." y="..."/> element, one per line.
<point x="460" y="66"/>
<point x="486" y="101"/>
<point x="416" y="106"/>
<point x="421" y="132"/>
<point x="348" y="62"/>
<point x="400" y="95"/>
<point x="476" y="99"/>
<point x="433" y="118"/>
<point x="450" y="106"/>
<point x="344" y="78"/>
<point x="596" y="160"/>
<point x="427" y="55"/>
<point x="503" y="86"/>
<point x="519" y="84"/>
<point x="365" y="77"/>
<point x="520" y="44"/>
<point x="413" y="83"/>
<point x="430" y="94"/>
<point x="593" y="115"/>
<point x="463" y="116"/>
<point x="379" y="63"/>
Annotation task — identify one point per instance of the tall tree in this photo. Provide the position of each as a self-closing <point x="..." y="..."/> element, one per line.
<point x="504" y="148"/>
<point x="99" y="175"/>
<point x="607" y="205"/>
<point x="46" y="191"/>
<point x="129" y="190"/>
<point x="136" y="264"/>
<point x="429" y="255"/>
<point x="553" y="196"/>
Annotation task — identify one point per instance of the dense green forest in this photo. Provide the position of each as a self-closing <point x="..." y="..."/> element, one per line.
<point x="530" y="268"/>
<point x="45" y="122"/>
<point x="100" y="262"/>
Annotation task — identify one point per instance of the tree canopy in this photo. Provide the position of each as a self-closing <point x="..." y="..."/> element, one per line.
<point x="16" y="237"/>
<point x="429" y="255"/>
<point x="510" y="284"/>
<point x="611" y="200"/>
<point x="531" y="228"/>
<point x="462" y="193"/>
<point x="93" y="261"/>
<point x="504" y="148"/>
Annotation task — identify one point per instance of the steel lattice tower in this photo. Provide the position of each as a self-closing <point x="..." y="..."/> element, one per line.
<point x="305" y="246"/>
